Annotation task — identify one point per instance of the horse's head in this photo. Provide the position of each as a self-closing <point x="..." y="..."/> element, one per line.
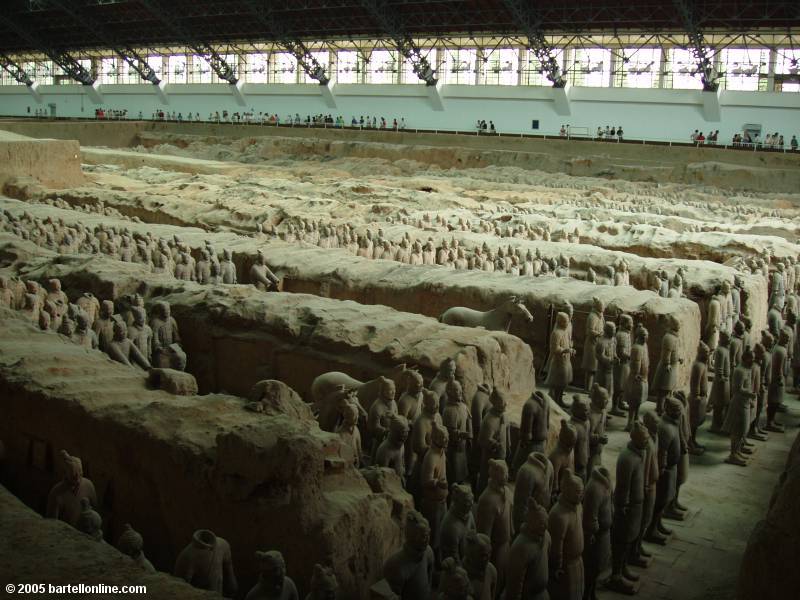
<point x="518" y="308"/>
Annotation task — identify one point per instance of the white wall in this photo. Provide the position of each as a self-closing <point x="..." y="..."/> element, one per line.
<point x="644" y="113"/>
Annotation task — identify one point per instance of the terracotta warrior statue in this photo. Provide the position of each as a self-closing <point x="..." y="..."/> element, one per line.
<point x="639" y="556"/>
<point x="140" y="333"/>
<point x="457" y="419"/>
<point x="349" y="433"/>
<point x="104" y="325"/>
<point x="669" y="455"/>
<point x="380" y="413"/>
<point x="698" y="396"/>
<point x="597" y="426"/>
<point x="90" y="522"/>
<point x="454" y="583"/>
<point x="409" y="572"/>
<point x="628" y="500"/>
<point x="580" y="422"/>
<point x="226" y="267"/>
<point x="737" y="420"/>
<point x="777" y="381"/>
<point x="324" y="585"/>
<point x="495" y="515"/>
<point x="495" y="435"/>
<point x="561" y="457"/>
<point x="594" y="330"/>
<point x="622" y="365"/>
<point x="760" y="388"/>
<point x="447" y="372"/>
<point x="606" y="354"/>
<point x="533" y="428"/>
<point x="206" y="564"/>
<point x="666" y="375"/>
<point x="559" y="365"/>
<point x="528" y="568"/>
<point x="83" y="334"/>
<point x="130" y="543"/>
<point x="123" y="350"/>
<point x="261" y="276"/>
<point x="273" y="584"/>
<point x="409" y="404"/>
<point x="565" y="524"/>
<point x="165" y="332"/>
<point x="638" y="388"/>
<point x="482" y="573"/>
<point x="457" y="523"/>
<point x="391" y="451"/>
<point x="433" y="486"/>
<point x="534" y="482"/>
<point x="65" y="499"/>
<point x="597" y="518"/>
<point x="721" y="388"/>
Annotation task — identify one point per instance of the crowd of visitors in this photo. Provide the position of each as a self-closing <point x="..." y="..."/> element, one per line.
<point x="482" y="127"/>
<point x="265" y="118"/>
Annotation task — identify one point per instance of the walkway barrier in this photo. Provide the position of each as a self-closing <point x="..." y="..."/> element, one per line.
<point x="574" y="134"/>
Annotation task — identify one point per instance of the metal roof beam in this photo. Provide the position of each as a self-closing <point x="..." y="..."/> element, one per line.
<point x="388" y="21"/>
<point x="305" y="60"/>
<point x="219" y="65"/>
<point x="529" y="21"/>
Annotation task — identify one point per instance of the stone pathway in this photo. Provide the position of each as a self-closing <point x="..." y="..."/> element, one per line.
<point x="702" y="560"/>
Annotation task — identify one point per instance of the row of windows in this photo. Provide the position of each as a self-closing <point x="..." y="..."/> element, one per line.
<point x="741" y="68"/>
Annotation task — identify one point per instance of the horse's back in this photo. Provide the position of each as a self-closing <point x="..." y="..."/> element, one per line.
<point x="461" y="316"/>
<point x="326" y="383"/>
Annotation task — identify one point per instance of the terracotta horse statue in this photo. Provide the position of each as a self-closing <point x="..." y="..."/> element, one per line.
<point x="330" y="389"/>
<point x="497" y="319"/>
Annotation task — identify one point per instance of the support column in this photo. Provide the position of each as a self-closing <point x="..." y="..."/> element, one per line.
<point x="612" y="67"/>
<point x="662" y="68"/>
<point x="772" y="59"/>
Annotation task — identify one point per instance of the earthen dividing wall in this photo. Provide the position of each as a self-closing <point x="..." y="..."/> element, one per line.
<point x="50" y="552"/>
<point x="701" y="277"/>
<point x="54" y="163"/>
<point x="236" y="335"/>
<point x="429" y="290"/>
<point x="172" y="464"/>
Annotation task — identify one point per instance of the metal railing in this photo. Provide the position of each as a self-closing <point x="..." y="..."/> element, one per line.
<point x="740" y="146"/>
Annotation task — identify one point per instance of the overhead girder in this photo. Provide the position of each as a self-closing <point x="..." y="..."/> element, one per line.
<point x="703" y="56"/>
<point x="305" y="59"/>
<point x="62" y="58"/>
<point x="408" y="49"/>
<point x="126" y="53"/>
<point x="218" y="64"/>
<point x="530" y="22"/>
<point x="15" y="70"/>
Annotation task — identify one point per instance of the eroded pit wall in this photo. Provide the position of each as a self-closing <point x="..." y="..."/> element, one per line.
<point x="172" y="464"/>
<point x="235" y="335"/>
<point x="430" y="290"/>
<point x="50" y="552"/>
<point x="53" y="163"/>
<point x="769" y="566"/>
<point x="654" y="241"/>
<point x="700" y="279"/>
<point x="426" y="290"/>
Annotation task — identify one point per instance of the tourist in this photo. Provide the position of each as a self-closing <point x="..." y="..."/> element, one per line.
<point x="793" y="143"/>
<point x="562" y="132"/>
<point x="701" y="138"/>
<point x="619" y="133"/>
<point x="694" y="135"/>
<point x="599" y="132"/>
<point x="491" y="127"/>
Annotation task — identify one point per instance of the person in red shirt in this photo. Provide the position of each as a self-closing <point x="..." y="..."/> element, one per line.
<point x="700" y="138"/>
